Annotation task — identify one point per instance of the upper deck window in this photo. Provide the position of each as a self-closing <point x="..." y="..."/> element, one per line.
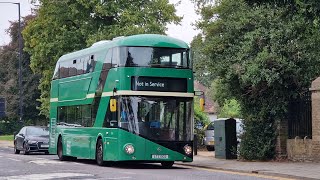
<point x="74" y="67"/>
<point x="154" y="57"/>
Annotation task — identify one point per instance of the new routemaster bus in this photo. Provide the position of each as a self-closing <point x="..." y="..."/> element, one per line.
<point x="129" y="99"/>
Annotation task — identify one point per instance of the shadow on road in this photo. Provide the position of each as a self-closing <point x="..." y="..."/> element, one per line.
<point x="127" y="165"/>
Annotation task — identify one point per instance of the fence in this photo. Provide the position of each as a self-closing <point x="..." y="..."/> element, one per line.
<point x="300" y="117"/>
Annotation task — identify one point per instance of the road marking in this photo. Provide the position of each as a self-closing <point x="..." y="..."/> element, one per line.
<point x="128" y="173"/>
<point x="14" y="159"/>
<point x="45" y="176"/>
<point x="239" y="173"/>
<point x="43" y="162"/>
<point x="120" y="178"/>
<point x="1" y="156"/>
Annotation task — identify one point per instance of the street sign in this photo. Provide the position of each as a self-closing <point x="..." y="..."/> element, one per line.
<point x="2" y="107"/>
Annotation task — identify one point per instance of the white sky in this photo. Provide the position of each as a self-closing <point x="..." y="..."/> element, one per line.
<point x="185" y="31"/>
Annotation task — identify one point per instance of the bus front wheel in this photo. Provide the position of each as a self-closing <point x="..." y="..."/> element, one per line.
<point x="167" y="164"/>
<point x="99" y="153"/>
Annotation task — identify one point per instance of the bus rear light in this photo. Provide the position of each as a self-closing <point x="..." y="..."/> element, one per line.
<point x="129" y="149"/>
<point x="187" y="149"/>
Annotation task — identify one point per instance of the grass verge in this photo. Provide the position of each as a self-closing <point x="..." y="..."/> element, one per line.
<point x="6" y="137"/>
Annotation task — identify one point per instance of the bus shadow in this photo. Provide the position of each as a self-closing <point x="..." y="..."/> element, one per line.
<point x="128" y="165"/>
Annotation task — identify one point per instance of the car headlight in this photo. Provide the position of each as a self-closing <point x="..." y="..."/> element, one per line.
<point x="32" y="142"/>
<point x="187" y="149"/>
<point x="129" y="149"/>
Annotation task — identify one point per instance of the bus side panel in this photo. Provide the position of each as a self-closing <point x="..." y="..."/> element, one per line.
<point x="80" y="139"/>
<point x="74" y="89"/>
<point x="111" y="145"/>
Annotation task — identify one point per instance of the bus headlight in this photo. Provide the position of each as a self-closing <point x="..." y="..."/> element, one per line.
<point x="129" y="149"/>
<point x="187" y="149"/>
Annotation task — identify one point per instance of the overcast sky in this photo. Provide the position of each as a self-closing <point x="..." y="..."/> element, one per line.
<point x="185" y="31"/>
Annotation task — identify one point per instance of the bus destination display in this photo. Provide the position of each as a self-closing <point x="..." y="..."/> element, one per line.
<point x="141" y="83"/>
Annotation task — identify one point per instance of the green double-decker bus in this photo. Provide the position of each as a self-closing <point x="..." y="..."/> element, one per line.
<point x="129" y="99"/>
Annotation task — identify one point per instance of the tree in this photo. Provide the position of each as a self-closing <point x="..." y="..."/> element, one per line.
<point x="69" y="25"/>
<point x="202" y="73"/>
<point x="9" y="88"/>
<point x="230" y="109"/>
<point x="265" y="54"/>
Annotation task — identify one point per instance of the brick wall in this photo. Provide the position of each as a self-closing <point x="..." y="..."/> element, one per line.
<point x="281" y="144"/>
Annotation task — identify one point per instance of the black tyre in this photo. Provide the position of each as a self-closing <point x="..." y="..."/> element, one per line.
<point x="167" y="164"/>
<point x="99" y="153"/>
<point x="210" y="148"/>
<point x="25" y="149"/>
<point x="60" y="150"/>
<point x="16" y="151"/>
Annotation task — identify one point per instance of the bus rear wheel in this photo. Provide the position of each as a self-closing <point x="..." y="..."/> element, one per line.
<point x="167" y="164"/>
<point x="99" y="153"/>
<point x="60" y="150"/>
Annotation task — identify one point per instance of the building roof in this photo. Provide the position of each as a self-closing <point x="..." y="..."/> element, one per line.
<point x="210" y="106"/>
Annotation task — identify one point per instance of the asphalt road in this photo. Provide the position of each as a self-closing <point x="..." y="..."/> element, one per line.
<point x="42" y="167"/>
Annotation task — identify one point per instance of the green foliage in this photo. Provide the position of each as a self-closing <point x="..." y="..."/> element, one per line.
<point x="202" y="73"/>
<point x="264" y="54"/>
<point x="230" y="109"/>
<point x="9" y="59"/>
<point x="200" y="119"/>
<point x="67" y="25"/>
<point x="9" y="125"/>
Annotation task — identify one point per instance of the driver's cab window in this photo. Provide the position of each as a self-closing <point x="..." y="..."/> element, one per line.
<point x="111" y="118"/>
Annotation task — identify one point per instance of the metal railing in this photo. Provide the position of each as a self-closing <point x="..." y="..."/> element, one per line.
<point x="300" y="118"/>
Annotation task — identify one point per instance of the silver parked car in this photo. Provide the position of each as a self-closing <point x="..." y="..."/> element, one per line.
<point x="209" y="137"/>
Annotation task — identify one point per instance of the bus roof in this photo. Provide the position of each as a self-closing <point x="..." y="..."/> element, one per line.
<point x="147" y="40"/>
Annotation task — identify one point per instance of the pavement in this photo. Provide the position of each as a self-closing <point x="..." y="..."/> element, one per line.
<point x="285" y="169"/>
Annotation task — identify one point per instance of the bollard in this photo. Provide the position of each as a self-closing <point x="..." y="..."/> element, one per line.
<point x="195" y="145"/>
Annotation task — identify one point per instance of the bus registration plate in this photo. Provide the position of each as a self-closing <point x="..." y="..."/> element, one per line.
<point x="160" y="156"/>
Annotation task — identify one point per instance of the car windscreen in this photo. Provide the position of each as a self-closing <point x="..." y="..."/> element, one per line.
<point x="37" y="131"/>
<point x="210" y="126"/>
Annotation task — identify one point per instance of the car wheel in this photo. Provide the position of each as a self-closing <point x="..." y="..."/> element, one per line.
<point x="16" y="151"/>
<point x="167" y="164"/>
<point x="99" y="153"/>
<point x="25" y="149"/>
<point x="210" y="148"/>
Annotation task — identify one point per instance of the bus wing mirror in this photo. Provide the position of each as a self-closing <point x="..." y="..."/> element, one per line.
<point x="113" y="105"/>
